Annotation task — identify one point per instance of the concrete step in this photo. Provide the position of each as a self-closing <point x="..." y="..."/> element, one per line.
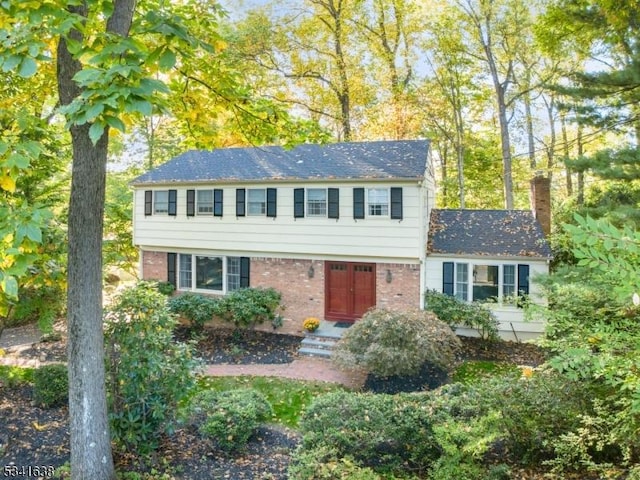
<point x="320" y="344"/>
<point x="315" y="352"/>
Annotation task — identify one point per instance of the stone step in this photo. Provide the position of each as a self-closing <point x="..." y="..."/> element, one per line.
<point x="320" y="344"/>
<point x="315" y="352"/>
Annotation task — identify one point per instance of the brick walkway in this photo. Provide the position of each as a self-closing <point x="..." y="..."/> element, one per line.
<point x="302" y="368"/>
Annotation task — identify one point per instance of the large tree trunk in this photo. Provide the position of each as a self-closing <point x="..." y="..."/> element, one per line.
<point x="91" y="457"/>
<point x="89" y="429"/>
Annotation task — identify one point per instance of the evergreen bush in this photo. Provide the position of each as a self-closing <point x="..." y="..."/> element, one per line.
<point x="389" y="343"/>
<point x="389" y="434"/>
<point x="147" y="373"/>
<point x="229" y="417"/>
<point x="51" y="385"/>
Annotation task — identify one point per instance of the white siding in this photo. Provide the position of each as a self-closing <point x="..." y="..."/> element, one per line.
<point x="372" y="237"/>
<point x="510" y="317"/>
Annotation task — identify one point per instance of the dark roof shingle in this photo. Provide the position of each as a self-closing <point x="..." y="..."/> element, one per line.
<point x="406" y="159"/>
<point x="496" y="233"/>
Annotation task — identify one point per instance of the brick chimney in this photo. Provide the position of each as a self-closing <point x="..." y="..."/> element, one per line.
<point x="541" y="201"/>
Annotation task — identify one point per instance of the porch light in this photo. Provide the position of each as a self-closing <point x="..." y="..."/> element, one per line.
<point x="311" y="272"/>
<point x="389" y="276"/>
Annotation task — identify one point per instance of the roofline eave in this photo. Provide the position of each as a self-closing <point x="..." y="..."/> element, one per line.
<point x="237" y="181"/>
<point x="477" y="256"/>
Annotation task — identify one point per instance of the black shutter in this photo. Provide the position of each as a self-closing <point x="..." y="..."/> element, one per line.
<point x="358" y="203"/>
<point x="148" y="202"/>
<point x="240" y="202"/>
<point x="298" y="202"/>
<point x="333" y="210"/>
<point x="272" y="205"/>
<point x="523" y="279"/>
<point x="171" y="268"/>
<point x="217" y="202"/>
<point x="396" y="203"/>
<point x="447" y="277"/>
<point x="191" y="203"/>
<point x="173" y="202"/>
<point x="244" y="272"/>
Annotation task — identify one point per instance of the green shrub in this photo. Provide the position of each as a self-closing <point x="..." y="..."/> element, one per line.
<point x="387" y="433"/>
<point x="229" y="417"/>
<point x="397" y="343"/>
<point x="166" y="288"/>
<point x="534" y="411"/>
<point x="249" y="306"/>
<point x="13" y="377"/>
<point x="51" y="385"/>
<point x="455" y="312"/>
<point x="148" y="373"/>
<point x="196" y="308"/>
<point x="324" y="464"/>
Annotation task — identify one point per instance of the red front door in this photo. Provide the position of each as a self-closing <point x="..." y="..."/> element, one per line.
<point x="350" y="290"/>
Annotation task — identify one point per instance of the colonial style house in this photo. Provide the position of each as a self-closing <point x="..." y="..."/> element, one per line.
<point x="337" y="229"/>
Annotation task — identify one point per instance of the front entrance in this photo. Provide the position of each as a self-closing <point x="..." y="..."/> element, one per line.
<point x="350" y="290"/>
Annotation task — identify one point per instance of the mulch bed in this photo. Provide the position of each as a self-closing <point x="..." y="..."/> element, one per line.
<point x="223" y="345"/>
<point x="34" y="436"/>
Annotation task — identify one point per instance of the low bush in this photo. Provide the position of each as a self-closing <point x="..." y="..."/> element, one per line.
<point x="147" y="373"/>
<point x="533" y="412"/>
<point x="248" y="307"/>
<point x="325" y="464"/>
<point x="229" y="417"/>
<point x="456" y="312"/>
<point x="391" y="434"/>
<point x="196" y="308"/>
<point x="388" y="343"/>
<point x="166" y="288"/>
<point x="51" y="385"/>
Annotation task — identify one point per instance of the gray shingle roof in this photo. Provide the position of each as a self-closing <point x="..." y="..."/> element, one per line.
<point x="495" y="233"/>
<point x="406" y="159"/>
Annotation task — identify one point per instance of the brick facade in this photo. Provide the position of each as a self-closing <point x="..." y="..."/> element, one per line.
<point x="154" y="266"/>
<point x="397" y="286"/>
<point x="301" y="283"/>
<point x="302" y="294"/>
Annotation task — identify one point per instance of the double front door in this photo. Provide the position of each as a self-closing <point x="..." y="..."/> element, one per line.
<point x="350" y="290"/>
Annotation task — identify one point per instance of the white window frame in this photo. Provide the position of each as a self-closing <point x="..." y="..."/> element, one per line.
<point x="202" y="207"/>
<point x="463" y="290"/>
<point x="319" y="205"/>
<point x="160" y="207"/>
<point x="230" y="280"/>
<point x="262" y="203"/>
<point x="381" y="209"/>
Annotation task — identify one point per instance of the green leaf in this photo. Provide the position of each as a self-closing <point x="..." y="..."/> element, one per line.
<point x="115" y="122"/>
<point x="93" y="111"/>
<point x="167" y="59"/>
<point x="96" y="131"/>
<point x="11" y="62"/>
<point x="28" y="67"/>
<point x="34" y="233"/>
<point x="9" y="285"/>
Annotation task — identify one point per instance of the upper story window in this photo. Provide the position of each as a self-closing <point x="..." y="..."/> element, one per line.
<point x="205" y="202"/>
<point x="256" y="201"/>
<point x="161" y="201"/>
<point x="378" y="202"/>
<point x="316" y="202"/>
